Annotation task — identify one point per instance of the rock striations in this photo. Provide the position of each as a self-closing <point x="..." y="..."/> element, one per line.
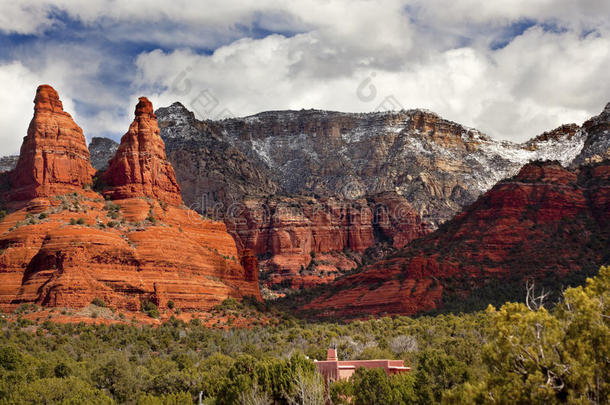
<point x="54" y="158"/>
<point x="437" y="165"/>
<point x="597" y="145"/>
<point x="281" y="163"/>
<point x="140" y="167"/>
<point x="102" y="151"/>
<point x="65" y="244"/>
<point x="306" y="241"/>
<point x="547" y="221"/>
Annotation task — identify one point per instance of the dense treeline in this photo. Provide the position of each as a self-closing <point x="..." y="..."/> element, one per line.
<point x="519" y="353"/>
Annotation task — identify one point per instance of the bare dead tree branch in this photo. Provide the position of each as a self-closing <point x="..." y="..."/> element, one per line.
<point x="534" y="302"/>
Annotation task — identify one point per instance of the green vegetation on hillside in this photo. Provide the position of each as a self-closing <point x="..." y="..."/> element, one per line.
<point x="514" y="354"/>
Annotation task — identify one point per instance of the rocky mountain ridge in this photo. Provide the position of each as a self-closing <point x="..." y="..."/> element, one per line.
<point x="439" y="166"/>
<point x="546" y="222"/>
<point x="432" y="166"/>
<point x="8" y="163"/>
<point x="597" y="144"/>
<point x="101" y="151"/>
<point x="126" y="241"/>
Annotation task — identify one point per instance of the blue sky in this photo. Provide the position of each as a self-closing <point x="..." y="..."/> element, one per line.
<point x="512" y="69"/>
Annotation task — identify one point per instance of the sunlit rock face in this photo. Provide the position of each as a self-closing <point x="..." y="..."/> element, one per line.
<point x="545" y="221"/>
<point x="140" y="167"/>
<point x="431" y="167"/>
<point x="64" y="244"/>
<point x="54" y="158"/>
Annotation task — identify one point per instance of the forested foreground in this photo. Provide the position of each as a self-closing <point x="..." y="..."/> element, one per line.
<point x="519" y="353"/>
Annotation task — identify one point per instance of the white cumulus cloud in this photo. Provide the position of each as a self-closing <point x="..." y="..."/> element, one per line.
<point x="512" y="69"/>
<point x="539" y="81"/>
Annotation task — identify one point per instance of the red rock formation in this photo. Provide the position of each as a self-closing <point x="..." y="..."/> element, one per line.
<point x="396" y="220"/>
<point x="54" y="158"/>
<point x="180" y="257"/>
<point x="140" y="167"/>
<point x="305" y="237"/>
<point x="65" y="250"/>
<point x="250" y="264"/>
<point x="441" y="132"/>
<point x="545" y="221"/>
<point x="290" y="230"/>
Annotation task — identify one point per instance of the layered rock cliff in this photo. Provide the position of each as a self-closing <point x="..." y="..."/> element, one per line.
<point x="597" y="145"/>
<point x="139" y="167"/>
<point x="546" y="221"/>
<point x="102" y="151"/>
<point x="213" y="173"/>
<point x="65" y="244"/>
<point x="304" y="241"/>
<point x="435" y="166"/>
<point x="431" y="167"/>
<point x="54" y="158"/>
<point x="439" y="166"/>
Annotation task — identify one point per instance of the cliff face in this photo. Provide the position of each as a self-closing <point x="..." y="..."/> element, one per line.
<point x="597" y="145"/>
<point x="54" y="158"/>
<point x="306" y="241"/>
<point x="8" y="163"/>
<point x="437" y="165"/>
<point x="178" y="257"/>
<point x="212" y="172"/>
<point x="545" y="221"/>
<point x="134" y="244"/>
<point x="430" y="166"/>
<point x="140" y="167"/>
<point x="102" y="150"/>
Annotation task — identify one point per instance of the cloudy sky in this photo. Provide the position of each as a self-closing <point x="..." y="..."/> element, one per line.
<point x="512" y="68"/>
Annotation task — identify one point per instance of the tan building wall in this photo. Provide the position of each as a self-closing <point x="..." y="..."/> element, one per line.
<point x="332" y="369"/>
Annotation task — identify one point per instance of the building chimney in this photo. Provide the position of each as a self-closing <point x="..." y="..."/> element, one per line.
<point x="331" y="355"/>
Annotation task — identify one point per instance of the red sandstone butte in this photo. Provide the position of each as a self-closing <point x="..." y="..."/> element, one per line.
<point x="69" y="245"/>
<point x="140" y="167"/>
<point x="547" y="220"/>
<point x="54" y="158"/>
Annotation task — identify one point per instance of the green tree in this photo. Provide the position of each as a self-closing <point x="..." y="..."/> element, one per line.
<point x="150" y="309"/>
<point x="341" y="392"/>
<point x="10" y="358"/>
<point x="62" y="370"/>
<point x="560" y="356"/>
<point x="403" y="386"/>
<point x="179" y="398"/>
<point x="241" y="377"/>
<point x="66" y="391"/>
<point x="436" y="373"/>
<point x="122" y="379"/>
<point x="372" y="387"/>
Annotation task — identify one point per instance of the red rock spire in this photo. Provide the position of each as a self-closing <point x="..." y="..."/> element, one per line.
<point x="54" y="158"/>
<point x="140" y="167"/>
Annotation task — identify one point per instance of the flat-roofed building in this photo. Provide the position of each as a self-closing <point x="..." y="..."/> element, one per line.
<point x="333" y="369"/>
